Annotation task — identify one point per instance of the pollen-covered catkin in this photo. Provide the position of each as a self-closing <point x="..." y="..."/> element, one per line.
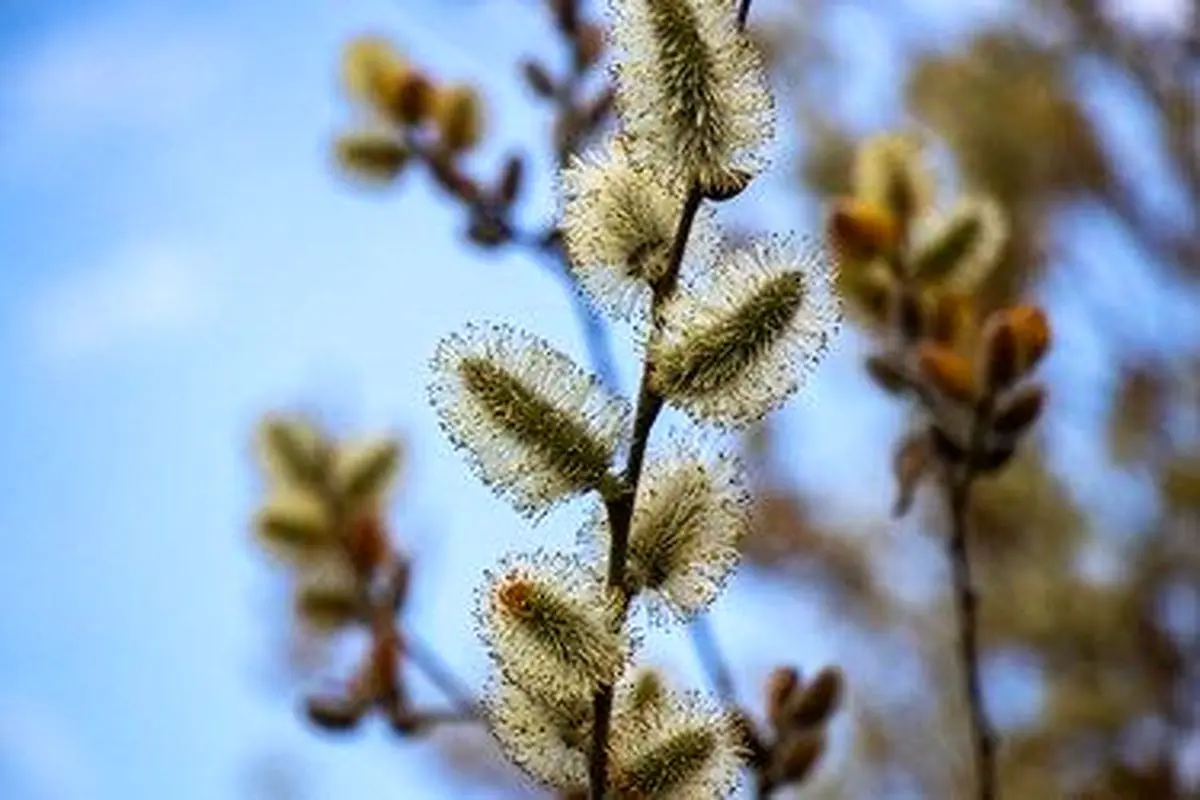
<point x="890" y="171"/>
<point x="547" y="736"/>
<point x="535" y="427"/>
<point x="692" y="90"/>
<point x="689" y="518"/>
<point x="691" y="749"/>
<point x="736" y="349"/>
<point x="618" y="223"/>
<point x="960" y="250"/>
<point x="548" y="622"/>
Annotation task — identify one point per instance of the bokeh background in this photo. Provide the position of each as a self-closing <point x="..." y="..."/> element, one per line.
<point x="179" y="255"/>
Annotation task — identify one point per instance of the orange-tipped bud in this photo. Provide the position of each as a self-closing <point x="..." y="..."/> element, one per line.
<point x="1016" y="340"/>
<point x="860" y="230"/>
<point x="948" y="373"/>
<point x="1033" y="334"/>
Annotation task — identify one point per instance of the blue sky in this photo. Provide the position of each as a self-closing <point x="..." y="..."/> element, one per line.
<point x="178" y="257"/>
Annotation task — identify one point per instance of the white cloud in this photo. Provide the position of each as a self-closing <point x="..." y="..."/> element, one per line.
<point x="149" y="290"/>
<point x="40" y="758"/>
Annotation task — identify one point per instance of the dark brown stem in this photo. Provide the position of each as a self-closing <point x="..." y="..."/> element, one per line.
<point x="620" y="515"/>
<point x="743" y="12"/>
<point x="620" y="509"/>
<point x="967" y="601"/>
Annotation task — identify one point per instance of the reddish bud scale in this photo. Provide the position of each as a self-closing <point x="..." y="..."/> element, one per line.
<point x="368" y="544"/>
<point x="1033" y="334"/>
<point x="332" y="713"/>
<point x="796" y="756"/>
<point x="818" y="700"/>
<point x="589" y="45"/>
<point x="566" y="15"/>
<point x="1000" y="355"/>
<point x="515" y="596"/>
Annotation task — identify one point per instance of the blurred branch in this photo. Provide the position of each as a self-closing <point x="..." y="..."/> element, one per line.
<point x="709" y="654"/>
<point x="966" y="600"/>
<point x="427" y="660"/>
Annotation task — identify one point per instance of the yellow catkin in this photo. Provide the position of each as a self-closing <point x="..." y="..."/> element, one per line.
<point x="458" y="113"/>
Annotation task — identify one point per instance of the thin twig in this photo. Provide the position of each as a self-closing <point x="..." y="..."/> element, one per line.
<point x="426" y="659"/>
<point x="620" y="509"/>
<point x="711" y="659"/>
<point x="595" y="333"/>
<point x="966" y="600"/>
<point x="620" y="515"/>
<point x="743" y="13"/>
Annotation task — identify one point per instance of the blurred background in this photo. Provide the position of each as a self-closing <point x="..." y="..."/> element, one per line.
<point x="181" y="255"/>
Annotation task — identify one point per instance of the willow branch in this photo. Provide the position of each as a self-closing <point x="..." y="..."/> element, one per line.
<point x="959" y="486"/>
<point x="620" y="511"/>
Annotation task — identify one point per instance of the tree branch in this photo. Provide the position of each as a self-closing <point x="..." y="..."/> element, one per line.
<point x="620" y="511"/>
<point x="966" y="601"/>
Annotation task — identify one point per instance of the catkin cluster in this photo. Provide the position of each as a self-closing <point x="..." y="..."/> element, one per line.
<point x="727" y="332"/>
<point x="323" y="519"/>
<point x="913" y="273"/>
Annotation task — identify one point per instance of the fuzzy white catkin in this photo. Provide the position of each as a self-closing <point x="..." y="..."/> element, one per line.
<point x="692" y="90"/>
<point x="721" y="359"/>
<point x="548" y="737"/>
<point x="534" y="426"/>
<point x="690" y="515"/>
<point x="619" y="223"/>
<point x="987" y="225"/>
<point x="888" y="163"/>
<point x="563" y="639"/>
<point x="690" y="749"/>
